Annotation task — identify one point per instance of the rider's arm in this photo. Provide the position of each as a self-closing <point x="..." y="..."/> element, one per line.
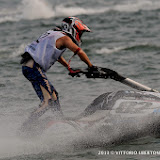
<point x="63" y="62"/>
<point x="84" y="57"/>
<point x="68" y="43"/>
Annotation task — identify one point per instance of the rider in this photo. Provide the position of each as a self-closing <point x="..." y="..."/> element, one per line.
<point x="41" y="54"/>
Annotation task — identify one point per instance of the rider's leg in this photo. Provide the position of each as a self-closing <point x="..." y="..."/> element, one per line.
<point x="49" y="101"/>
<point x="44" y="89"/>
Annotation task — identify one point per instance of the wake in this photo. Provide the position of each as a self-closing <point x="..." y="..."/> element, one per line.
<point x="113" y="118"/>
<point x="27" y="9"/>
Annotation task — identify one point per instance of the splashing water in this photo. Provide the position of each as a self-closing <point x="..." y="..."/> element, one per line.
<point x="36" y="9"/>
<point x="27" y="9"/>
<point x="42" y="9"/>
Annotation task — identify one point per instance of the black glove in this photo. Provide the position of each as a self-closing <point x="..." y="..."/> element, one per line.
<point x="93" y="69"/>
<point x="97" y="72"/>
<point x="93" y="72"/>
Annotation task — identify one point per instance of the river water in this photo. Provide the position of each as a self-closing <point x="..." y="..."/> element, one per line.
<point x="125" y="37"/>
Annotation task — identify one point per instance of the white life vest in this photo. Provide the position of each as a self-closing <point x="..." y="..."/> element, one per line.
<point x="44" y="51"/>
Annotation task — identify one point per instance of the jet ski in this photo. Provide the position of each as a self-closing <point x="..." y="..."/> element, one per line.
<point x="112" y="118"/>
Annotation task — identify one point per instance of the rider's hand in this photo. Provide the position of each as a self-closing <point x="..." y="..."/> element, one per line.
<point x="93" y="68"/>
<point x="97" y="72"/>
<point x="74" y="72"/>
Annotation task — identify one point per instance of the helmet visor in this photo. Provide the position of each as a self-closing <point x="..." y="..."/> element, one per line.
<point x="80" y="27"/>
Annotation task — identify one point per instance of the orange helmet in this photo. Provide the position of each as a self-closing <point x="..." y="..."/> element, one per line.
<point x="74" y="28"/>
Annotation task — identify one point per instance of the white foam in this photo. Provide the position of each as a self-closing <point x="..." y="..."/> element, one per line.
<point x="106" y="50"/>
<point x="36" y="9"/>
<point x="108" y="127"/>
<point x="18" y="51"/>
<point x="109" y="50"/>
<point x="8" y="15"/>
<point x="62" y="10"/>
<point x="55" y="139"/>
<point x="137" y="5"/>
<point x="28" y="9"/>
<point x="42" y="9"/>
<point x="125" y="6"/>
